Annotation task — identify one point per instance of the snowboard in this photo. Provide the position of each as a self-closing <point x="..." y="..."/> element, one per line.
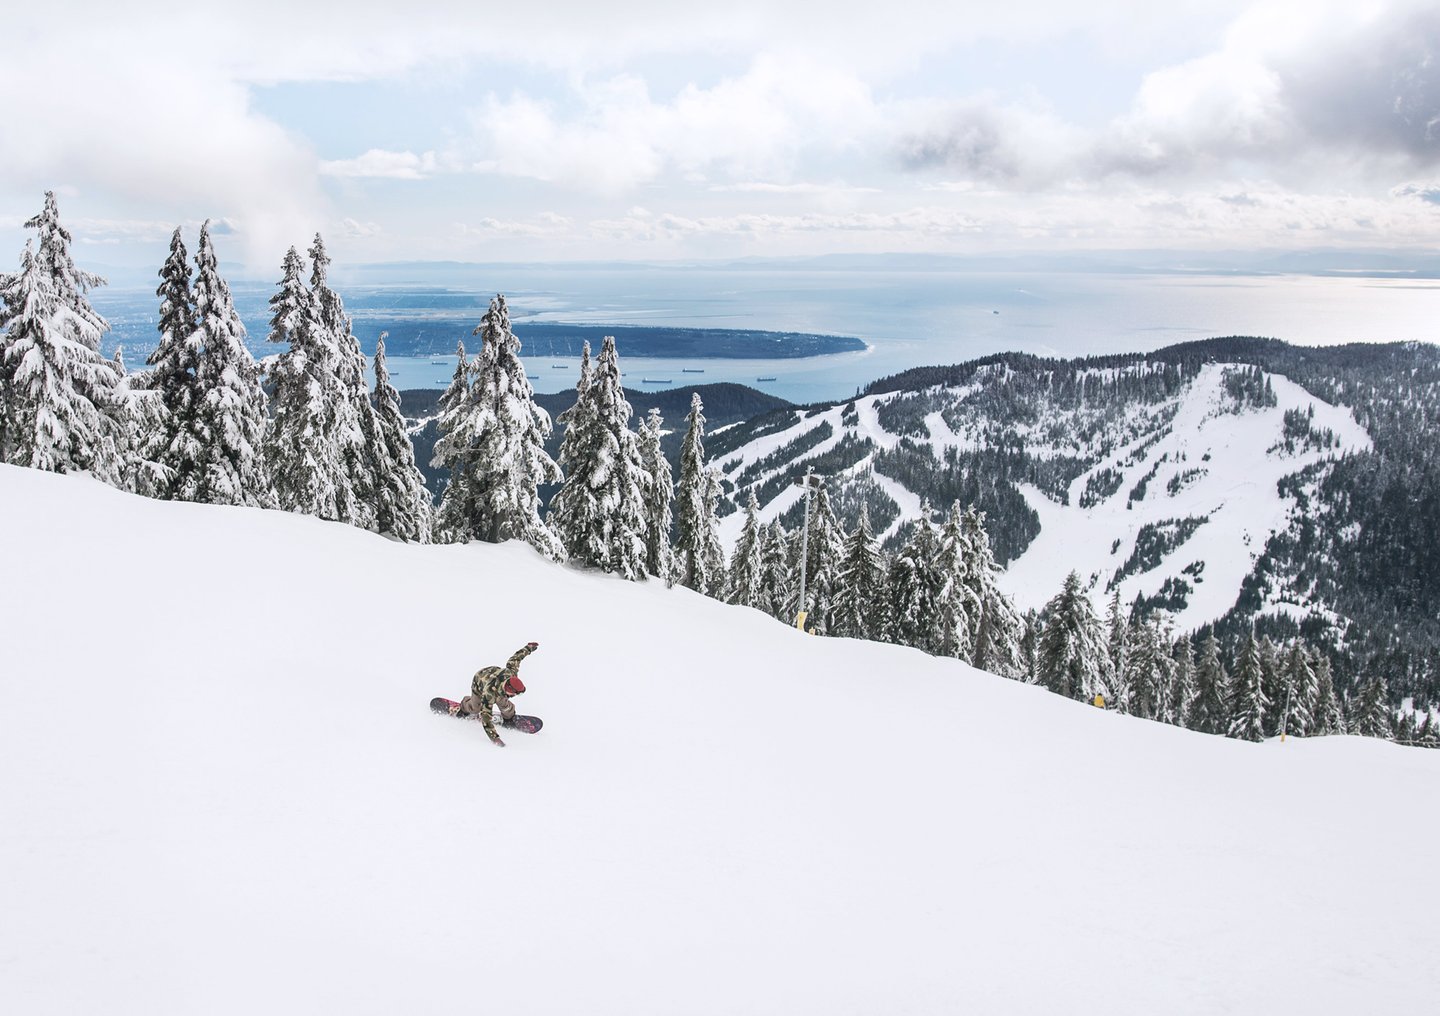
<point x="524" y="724"/>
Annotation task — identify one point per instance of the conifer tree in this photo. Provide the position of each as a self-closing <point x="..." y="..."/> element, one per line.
<point x="957" y="607"/>
<point x="1247" y="694"/>
<point x="1143" y="671"/>
<point x="775" y="574"/>
<point x="694" y="517"/>
<point x="1371" y="716"/>
<point x="1030" y="647"/>
<point x="60" y="404"/>
<point x="577" y="421"/>
<point x="1182" y="682"/>
<point x="599" y="511"/>
<point x="747" y="563"/>
<point x="1329" y="714"/>
<point x="1298" y="718"/>
<point x="1073" y="658"/>
<point x="1209" y="712"/>
<point x="231" y="409"/>
<point x="455" y="518"/>
<point x="76" y="320"/>
<point x="174" y="376"/>
<point x="402" y="503"/>
<point x="1117" y="631"/>
<point x="659" y="496"/>
<point x="914" y="587"/>
<point x="1272" y="677"/>
<point x="714" y="550"/>
<point x="505" y="460"/>
<point x="1430" y="731"/>
<point x="354" y="416"/>
<point x="58" y="396"/>
<point x="824" y="548"/>
<point x="139" y="415"/>
<point x="1165" y="667"/>
<point x="999" y="630"/>
<point x="859" y="606"/>
<point x="323" y="435"/>
<point x="304" y="385"/>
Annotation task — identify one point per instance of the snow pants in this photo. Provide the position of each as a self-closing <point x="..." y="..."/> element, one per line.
<point x="472" y="704"/>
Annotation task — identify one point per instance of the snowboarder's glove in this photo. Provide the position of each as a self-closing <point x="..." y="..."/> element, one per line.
<point x="532" y="646"/>
<point x="498" y="743"/>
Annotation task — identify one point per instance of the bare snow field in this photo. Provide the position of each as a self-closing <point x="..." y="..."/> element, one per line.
<point x="221" y="792"/>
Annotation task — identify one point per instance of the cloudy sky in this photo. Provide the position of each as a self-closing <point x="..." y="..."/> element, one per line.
<point x="647" y="130"/>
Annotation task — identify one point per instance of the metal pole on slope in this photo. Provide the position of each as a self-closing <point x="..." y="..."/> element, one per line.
<point x="1285" y="710"/>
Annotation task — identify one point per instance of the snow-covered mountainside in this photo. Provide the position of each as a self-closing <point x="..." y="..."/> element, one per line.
<point x="222" y="792"/>
<point x="1166" y="489"/>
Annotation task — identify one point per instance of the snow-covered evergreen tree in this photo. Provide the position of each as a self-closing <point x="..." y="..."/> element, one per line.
<point x="957" y="606"/>
<point x="352" y="433"/>
<point x="58" y="400"/>
<point x="323" y="434"/>
<point x="824" y="549"/>
<point x="76" y="320"/>
<point x="1182" y="681"/>
<point x="715" y="565"/>
<point x="1371" y="715"/>
<point x="140" y="414"/>
<point x="1074" y="657"/>
<point x="1117" y="630"/>
<point x="858" y="610"/>
<point x="456" y="518"/>
<point x="1272" y="680"/>
<point x="1298" y="717"/>
<point x="1247" y="694"/>
<point x="747" y="563"/>
<point x="999" y="631"/>
<point x="174" y="375"/>
<point x="1030" y="646"/>
<point x="1329" y="714"/>
<point x="775" y="575"/>
<point x="1209" y="711"/>
<point x="505" y="460"/>
<point x="694" y="516"/>
<point x="599" y="511"/>
<point x="914" y="587"/>
<point x="1144" y="677"/>
<point x="300" y="453"/>
<point x="231" y="409"/>
<point x="403" y="508"/>
<point x="659" y="496"/>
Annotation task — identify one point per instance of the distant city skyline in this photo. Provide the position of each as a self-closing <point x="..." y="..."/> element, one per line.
<point x="642" y="130"/>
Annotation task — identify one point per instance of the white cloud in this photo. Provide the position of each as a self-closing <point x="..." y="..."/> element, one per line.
<point x="612" y="135"/>
<point x="1316" y="119"/>
<point x="379" y="163"/>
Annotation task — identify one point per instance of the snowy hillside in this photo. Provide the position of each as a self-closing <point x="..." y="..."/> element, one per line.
<point x="223" y="793"/>
<point x="1170" y="498"/>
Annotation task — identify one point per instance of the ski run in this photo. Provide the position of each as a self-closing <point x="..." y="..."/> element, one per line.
<point x="223" y="793"/>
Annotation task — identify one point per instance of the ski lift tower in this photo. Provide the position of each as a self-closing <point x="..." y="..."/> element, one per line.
<point x="810" y="481"/>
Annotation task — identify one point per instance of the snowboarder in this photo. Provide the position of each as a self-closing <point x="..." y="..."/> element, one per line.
<point x="494" y="686"/>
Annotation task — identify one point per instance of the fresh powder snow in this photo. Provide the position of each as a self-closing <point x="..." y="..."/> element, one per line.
<point x="222" y="792"/>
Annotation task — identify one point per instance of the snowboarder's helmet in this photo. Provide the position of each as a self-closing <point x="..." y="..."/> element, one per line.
<point x="513" y="685"/>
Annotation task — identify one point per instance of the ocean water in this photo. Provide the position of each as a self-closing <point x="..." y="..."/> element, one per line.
<point x="907" y="318"/>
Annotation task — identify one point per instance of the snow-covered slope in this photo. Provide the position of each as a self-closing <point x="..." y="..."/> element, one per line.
<point x="221" y="792"/>
<point x="1211" y="464"/>
<point x="1174" y="496"/>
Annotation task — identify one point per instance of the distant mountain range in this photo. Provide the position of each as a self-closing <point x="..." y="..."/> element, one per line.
<point x="1228" y="482"/>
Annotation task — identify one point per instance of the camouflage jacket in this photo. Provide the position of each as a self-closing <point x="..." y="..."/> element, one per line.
<point x="488" y="689"/>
